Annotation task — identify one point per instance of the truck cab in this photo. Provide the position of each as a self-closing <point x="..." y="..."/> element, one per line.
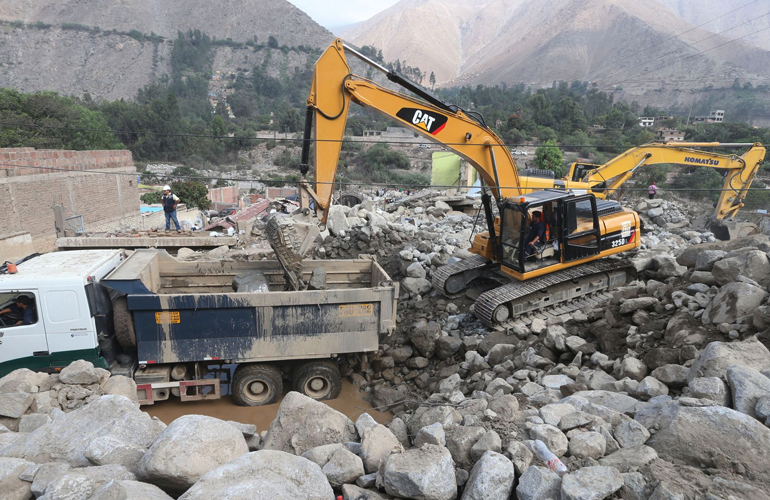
<point x="66" y="313"/>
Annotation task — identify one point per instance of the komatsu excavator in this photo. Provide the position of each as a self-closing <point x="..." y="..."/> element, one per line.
<point x="565" y="262"/>
<point x="607" y="179"/>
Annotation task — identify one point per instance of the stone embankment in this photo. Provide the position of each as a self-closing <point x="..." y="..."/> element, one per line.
<point x="662" y="392"/>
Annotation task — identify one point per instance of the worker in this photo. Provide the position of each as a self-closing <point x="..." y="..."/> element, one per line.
<point x="535" y="234"/>
<point x="652" y="189"/>
<point x="170" y="201"/>
<point x="24" y="305"/>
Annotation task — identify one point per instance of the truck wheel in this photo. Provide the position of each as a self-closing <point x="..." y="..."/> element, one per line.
<point x="124" y="323"/>
<point x="319" y="380"/>
<point x="257" y="385"/>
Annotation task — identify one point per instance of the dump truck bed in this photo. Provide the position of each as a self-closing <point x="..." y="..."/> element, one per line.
<point x="188" y="311"/>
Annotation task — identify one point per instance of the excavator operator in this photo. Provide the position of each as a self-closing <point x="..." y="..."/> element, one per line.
<point x="535" y="233"/>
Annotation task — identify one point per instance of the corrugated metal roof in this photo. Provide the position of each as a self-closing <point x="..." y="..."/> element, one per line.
<point x="241" y="215"/>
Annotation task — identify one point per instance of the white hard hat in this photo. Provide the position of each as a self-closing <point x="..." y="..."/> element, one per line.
<point x="166" y="188"/>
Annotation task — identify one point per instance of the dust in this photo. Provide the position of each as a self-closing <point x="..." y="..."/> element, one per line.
<point x="350" y="402"/>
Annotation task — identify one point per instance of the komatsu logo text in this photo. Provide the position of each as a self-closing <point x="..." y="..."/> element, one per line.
<point x="701" y="161"/>
<point x="431" y="122"/>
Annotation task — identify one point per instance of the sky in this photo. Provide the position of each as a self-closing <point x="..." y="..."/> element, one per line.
<point x="333" y="13"/>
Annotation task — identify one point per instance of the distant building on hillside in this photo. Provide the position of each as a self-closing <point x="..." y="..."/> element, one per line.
<point x="669" y="135"/>
<point x="646" y="121"/>
<point x="716" y="116"/>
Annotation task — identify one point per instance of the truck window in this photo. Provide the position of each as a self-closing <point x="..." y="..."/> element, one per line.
<point x="18" y="309"/>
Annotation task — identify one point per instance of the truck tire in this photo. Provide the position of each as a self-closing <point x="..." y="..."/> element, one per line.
<point x="257" y="385"/>
<point x="320" y="380"/>
<point x="350" y="199"/>
<point x="124" y="323"/>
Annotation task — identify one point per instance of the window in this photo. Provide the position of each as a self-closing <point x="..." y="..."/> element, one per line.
<point x="511" y="235"/>
<point x="18" y="309"/>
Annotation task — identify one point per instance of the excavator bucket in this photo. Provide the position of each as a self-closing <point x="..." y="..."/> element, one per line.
<point x="732" y="230"/>
<point x="291" y="239"/>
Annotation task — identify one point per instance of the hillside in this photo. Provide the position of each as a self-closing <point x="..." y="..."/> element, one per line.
<point x="507" y="41"/>
<point x="747" y="18"/>
<point x="240" y="20"/>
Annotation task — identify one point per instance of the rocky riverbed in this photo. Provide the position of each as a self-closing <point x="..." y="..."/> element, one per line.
<point x="660" y="392"/>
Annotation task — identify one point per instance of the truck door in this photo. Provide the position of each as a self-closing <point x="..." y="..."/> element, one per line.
<point x="22" y="345"/>
<point x="581" y="228"/>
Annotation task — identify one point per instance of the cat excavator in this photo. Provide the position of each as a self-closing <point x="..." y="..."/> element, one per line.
<point x="541" y="249"/>
<point x="608" y="179"/>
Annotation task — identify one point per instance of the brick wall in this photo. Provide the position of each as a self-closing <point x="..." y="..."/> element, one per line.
<point x="228" y="194"/>
<point x="27" y="195"/>
<point x="273" y="193"/>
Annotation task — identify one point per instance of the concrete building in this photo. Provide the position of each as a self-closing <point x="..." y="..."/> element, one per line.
<point x="32" y="182"/>
<point x="716" y="116"/>
<point x="669" y="135"/>
<point x="646" y="121"/>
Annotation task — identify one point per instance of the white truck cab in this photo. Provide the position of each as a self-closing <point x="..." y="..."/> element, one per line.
<point x="62" y="325"/>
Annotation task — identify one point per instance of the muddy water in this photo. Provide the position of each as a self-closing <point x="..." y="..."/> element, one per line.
<point x="350" y="402"/>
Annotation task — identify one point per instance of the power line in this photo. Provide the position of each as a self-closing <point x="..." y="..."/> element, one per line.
<point x="299" y="139"/>
<point x="334" y="183"/>
<point x="699" y="41"/>
<point x="685" y="58"/>
<point x="669" y="39"/>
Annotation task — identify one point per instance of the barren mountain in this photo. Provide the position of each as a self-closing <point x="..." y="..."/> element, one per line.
<point x="627" y="43"/>
<point x="730" y="18"/>
<point x="236" y="19"/>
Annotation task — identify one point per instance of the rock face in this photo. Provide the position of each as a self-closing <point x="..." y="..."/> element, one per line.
<point x="733" y="301"/>
<point x="303" y="423"/>
<point x="747" y="386"/>
<point x="591" y="483"/>
<point x="717" y="357"/>
<point x="188" y="448"/>
<point x="425" y="473"/>
<point x="491" y="478"/>
<point x="707" y="435"/>
<point x="263" y="474"/>
<point x="67" y="437"/>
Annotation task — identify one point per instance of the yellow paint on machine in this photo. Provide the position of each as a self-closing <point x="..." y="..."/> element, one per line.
<point x="167" y="317"/>
<point x="352" y="310"/>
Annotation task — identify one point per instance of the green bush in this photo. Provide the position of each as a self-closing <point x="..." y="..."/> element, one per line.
<point x="75" y="27"/>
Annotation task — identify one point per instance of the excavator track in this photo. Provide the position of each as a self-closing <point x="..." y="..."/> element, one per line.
<point x="501" y="304"/>
<point x="458" y="275"/>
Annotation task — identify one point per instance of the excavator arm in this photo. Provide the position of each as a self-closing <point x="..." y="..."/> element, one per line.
<point x="334" y="87"/>
<point x="740" y="170"/>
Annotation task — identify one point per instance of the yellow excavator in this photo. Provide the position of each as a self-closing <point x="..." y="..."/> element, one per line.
<point x="547" y="240"/>
<point x="542" y="248"/>
<point x="607" y="179"/>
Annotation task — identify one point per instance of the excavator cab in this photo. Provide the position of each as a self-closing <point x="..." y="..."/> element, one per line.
<point x="578" y="170"/>
<point x="565" y="225"/>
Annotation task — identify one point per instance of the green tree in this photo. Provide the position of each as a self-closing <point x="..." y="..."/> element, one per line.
<point x="549" y="157"/>
<point x="151" y="198"/>
<point x="432" y="79"/>
<point x="192" y="194"/>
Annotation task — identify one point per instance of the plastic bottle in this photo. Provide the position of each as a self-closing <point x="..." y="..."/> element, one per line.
<point x="551" y="460"/>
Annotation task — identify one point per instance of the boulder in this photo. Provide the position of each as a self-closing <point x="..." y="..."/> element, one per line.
<point x="630" y="434"/>
<point x="706" y="259"/>
<point x="521" y="456"/>
<point x="446" y="347"/>
<point x="105" y="450"/>
<point x="707" y="436"/>
<point x="45" y="475"/>
<point x="266" y="474"/>
<point x="377" y="444"/>
<point x="666" y="266"/>
<point x="431" y="434"/>
<point x="747" y="386"/>
<point x="641" y="303"/>
<point x="553" y="413"/>
<point x="125" y="489"/>
<point x="337" y="221"/>
<point x="587" y="445"/>
<point x="650" y="387"/>
<point x="303" y="423"/>
<point x="80" y="483"/>
<point x="613" y="400"/>
<point x="713" y="388"/>
<point x="539" y="483"/>
<point x="717" y="357"/>
<point x="689" y="256"/>
<point x="81" y="372"/>
<point x="752" y="264"/>
<point x="11" y="486"/>
<point x="352" y="492"/>
<point x="553" y="438"/>
<point x="674" y="376"/>
<point x="633" y="368"/>
<point x="343" y="467"/>
<point x="69" y="435"/>
<point x="591" y="483"/>
<point x="188" y="448"/>
<point x="424" y="338"/>
<point x="490" y="479"/>
<point x="22" y="380"/>
<point x="459" y="442"/>
<point x="416" y="286"/>
<point x="506" y="407"/>
<point x="490" y="441"/>
<point x="14" y="404"/>
<point x="385" y="398"/>
<point x="120" y="385"/>
<point x="733" y="301"/>
<point x="628" y="459"/>
<point x="425" y="473"/>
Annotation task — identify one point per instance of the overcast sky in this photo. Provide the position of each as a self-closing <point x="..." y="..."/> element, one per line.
<point x="333" y="13"/>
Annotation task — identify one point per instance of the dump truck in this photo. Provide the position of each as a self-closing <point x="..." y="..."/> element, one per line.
<point x="179" y="328"/>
